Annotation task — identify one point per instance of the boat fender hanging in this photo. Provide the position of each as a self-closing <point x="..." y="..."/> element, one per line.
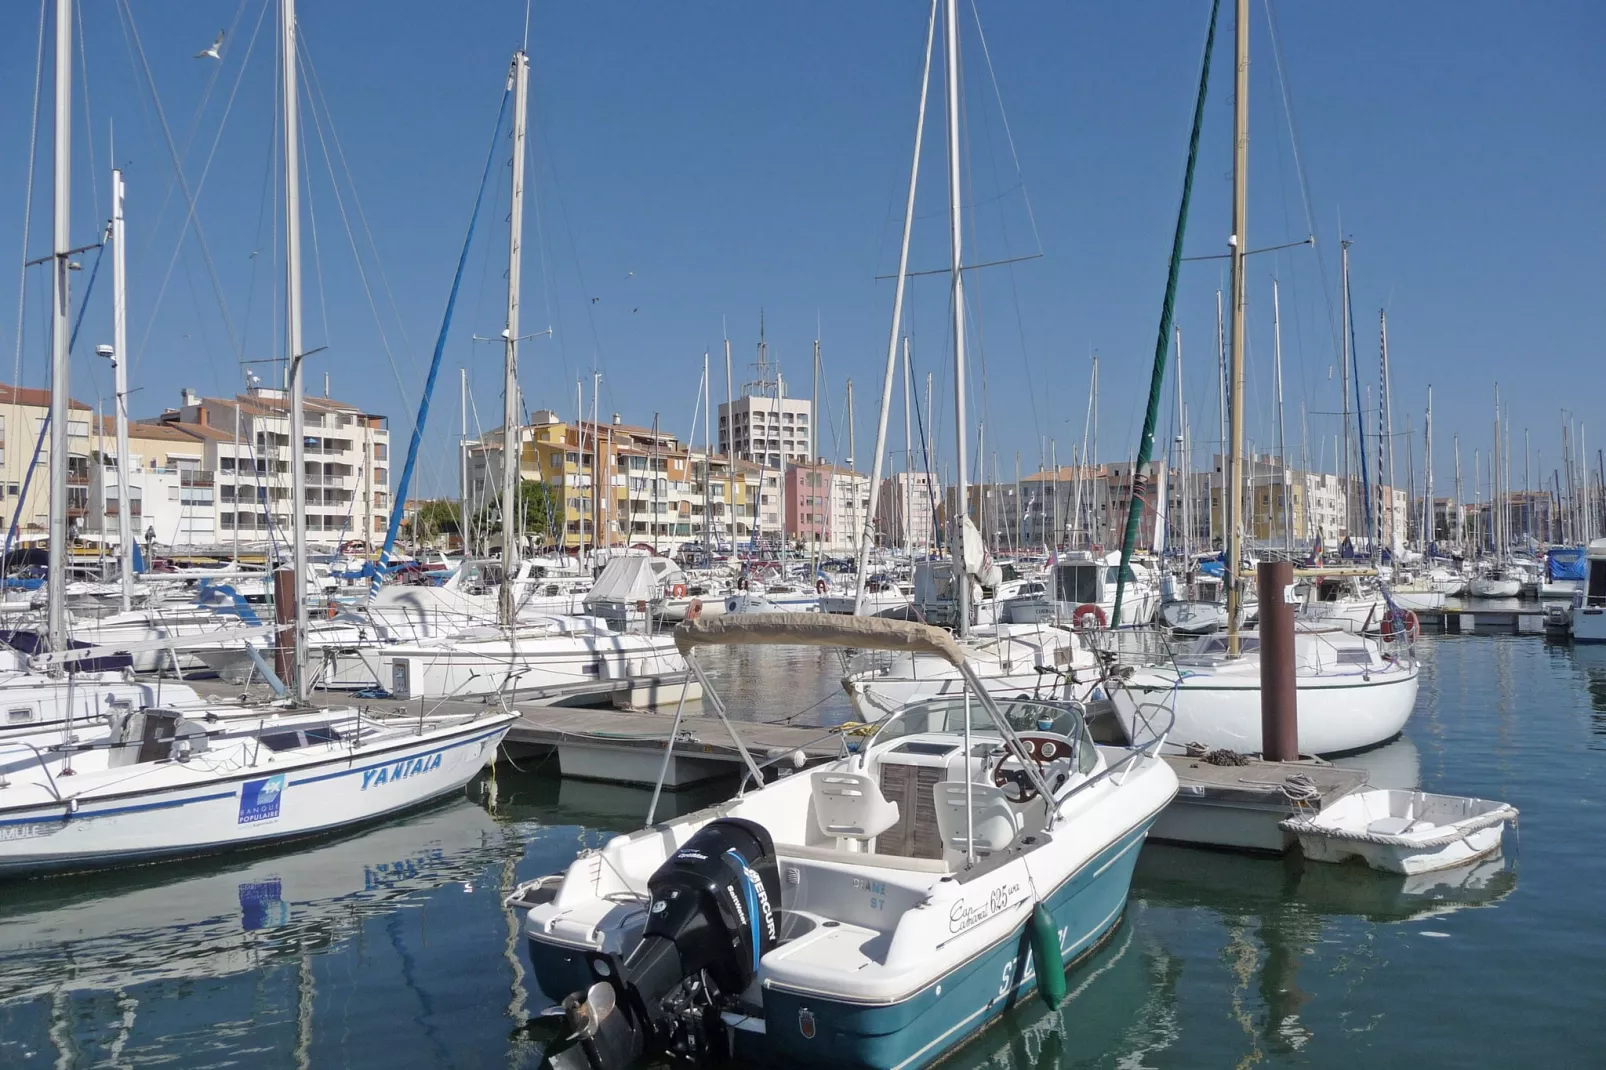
<point x="1047" y="958"/>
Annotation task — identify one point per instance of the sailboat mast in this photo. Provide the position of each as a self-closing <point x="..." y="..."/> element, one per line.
<point x="292" y="304"/>
<point x="1385" y="419"/>
<point x="1429" y="534"/>
<point x="1183" y="465"/>
<point x="1240" y="212"/>
<point x="59" y="337"/>
<point x="957" y="301"/>
<point x="897" y="320"/>
<point x="1349" y="451"/>
<point x="125" y="538"/>
<point x="908" y="457"/>
<point x="1218" y="515"/>
<point x="730" y="446"/>
<point x="511" y="505"/>
<point x="1282" y="434"/>
<point x="708" y="468"/>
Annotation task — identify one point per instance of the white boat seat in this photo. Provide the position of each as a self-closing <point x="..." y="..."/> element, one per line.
<point x="995" y="823"/>
<point x="851" y="808"/>
<point x="1391" y="826"/>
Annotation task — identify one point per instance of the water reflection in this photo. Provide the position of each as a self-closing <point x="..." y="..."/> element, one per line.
<point x="1590" y="661"/>
<point x="110" y="930"/>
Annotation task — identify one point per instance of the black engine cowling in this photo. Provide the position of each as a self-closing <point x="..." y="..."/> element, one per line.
<point x="714" y="913"/>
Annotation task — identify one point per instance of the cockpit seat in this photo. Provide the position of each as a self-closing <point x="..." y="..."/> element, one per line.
<point x="851" y="808"/>
<point x="995" y="823"/>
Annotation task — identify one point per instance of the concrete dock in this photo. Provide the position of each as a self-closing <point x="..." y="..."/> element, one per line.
<point x="1241" y="807"/>
<point x="628" y="747"/>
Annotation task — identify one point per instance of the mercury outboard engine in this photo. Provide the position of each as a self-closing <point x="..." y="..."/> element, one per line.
<point x="714" y="912"/>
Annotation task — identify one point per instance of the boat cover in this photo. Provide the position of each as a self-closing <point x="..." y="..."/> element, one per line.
<point x="624" y="579"/>
<point x="824" y="629"/>
<point x="1565" y="563"/>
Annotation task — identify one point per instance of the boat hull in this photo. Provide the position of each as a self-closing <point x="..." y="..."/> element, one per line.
<point x="804" y="1028"/>
<point x="1336" y="716"/>
<point x="191" y="813"/>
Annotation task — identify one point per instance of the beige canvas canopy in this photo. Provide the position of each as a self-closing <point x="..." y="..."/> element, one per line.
<point x="817" y="629"/>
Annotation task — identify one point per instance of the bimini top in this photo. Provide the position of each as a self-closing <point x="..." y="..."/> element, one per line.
<point x="817" y="629"/>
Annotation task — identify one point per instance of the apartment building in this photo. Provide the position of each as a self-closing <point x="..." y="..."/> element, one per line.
<point x="23" y="413"/>
<point x="171" y="489"/>
<point x="906" y="510"/>
<point x="652" y="486"/>
<point x="827" y="506"/>
<point x="246" y="448"/>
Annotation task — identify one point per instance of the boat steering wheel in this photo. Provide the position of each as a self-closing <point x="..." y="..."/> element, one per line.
<point x="1043" y="748"/>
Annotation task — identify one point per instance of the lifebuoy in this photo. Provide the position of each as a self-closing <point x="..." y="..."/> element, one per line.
<point x="1413" y="627"/>
<point x="678" y="590"/>
<point x="1085" y="611"/>
<point x="333" y="609"/>
<point x="741" y="583"/>
<point x="694" y="610"/>
<point x="820" y="586"/>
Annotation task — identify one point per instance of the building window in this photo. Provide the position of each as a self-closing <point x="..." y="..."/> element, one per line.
<point x="381" y="451"/>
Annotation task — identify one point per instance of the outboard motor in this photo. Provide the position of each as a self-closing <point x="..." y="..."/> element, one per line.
<point x="714" y="913"/>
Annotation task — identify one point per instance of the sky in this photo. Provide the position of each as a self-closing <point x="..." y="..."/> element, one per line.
<point x="695" y="166"/>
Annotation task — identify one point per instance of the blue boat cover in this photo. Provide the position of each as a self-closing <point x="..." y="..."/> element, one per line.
<point x="1565" y="563"/>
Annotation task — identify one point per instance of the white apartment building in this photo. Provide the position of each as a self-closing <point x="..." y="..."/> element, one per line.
<point x="906" y="510"/>
<point x="764" y="428"/>
<point x="246" y="442"/>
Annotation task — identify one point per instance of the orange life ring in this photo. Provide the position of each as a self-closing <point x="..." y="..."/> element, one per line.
<point x="1086" y="610"/>
<point x="1413" y="627"/>
<point x="820" y="586"/>
<point x="333" y="609"/>
<point x="678" y="590"/>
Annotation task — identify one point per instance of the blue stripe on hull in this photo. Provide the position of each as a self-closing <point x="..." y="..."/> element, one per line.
<point x="925" y="1027"/>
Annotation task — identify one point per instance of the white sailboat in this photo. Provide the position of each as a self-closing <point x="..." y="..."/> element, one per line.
<point x="163" y="782"/>
<point x="515" y="653"/>
<point x="1353" y="691"/>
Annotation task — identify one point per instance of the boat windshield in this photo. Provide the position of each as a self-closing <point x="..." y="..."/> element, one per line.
<point x="947" y="715"/>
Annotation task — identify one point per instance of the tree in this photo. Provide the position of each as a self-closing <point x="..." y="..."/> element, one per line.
<point x="542" y="511"/>
<point x="439" y="517"/>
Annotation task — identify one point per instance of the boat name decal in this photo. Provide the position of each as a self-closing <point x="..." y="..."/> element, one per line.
<point x="403" y="769"/>
<point x="10" y="833"/>
<point x="966" y="914"/>
<point x="259" y="799"/>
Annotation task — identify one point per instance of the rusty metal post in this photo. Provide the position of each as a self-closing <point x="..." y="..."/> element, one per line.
<point x="1279" y="697"/>
<point x="284" y="613"/>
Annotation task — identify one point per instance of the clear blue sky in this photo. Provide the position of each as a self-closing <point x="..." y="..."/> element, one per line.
<point x="692" y="163"/>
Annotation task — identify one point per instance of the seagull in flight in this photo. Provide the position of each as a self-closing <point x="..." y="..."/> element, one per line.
<point x="216" y="51"/>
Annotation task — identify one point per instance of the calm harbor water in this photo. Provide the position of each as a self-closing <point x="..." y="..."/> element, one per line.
<point x="390" y="948"/>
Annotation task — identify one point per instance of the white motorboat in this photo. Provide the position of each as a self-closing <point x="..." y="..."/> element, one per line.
<point x="1403" y="831"/>
<point x="1354" y="692"/>
<point x="876" y="912"/>
<point x="163" y="784"/>
<point x="1587" y="617"/>
<point x="557" y="652"/>
<point x="1085" y="580"/>
<point x="880" y="596"/>
<point x="1011" y="661"/>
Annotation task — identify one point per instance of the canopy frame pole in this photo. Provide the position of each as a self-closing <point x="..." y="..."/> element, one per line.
<point x="719" y="711"/>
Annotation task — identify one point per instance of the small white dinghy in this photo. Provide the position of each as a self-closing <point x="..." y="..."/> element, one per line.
<point x="1399" y="831"/>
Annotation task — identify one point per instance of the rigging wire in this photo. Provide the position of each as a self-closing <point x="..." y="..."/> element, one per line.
<point x="189" y="195"/>
<point x="27" y="211"/>
<point x="315" y="85"/>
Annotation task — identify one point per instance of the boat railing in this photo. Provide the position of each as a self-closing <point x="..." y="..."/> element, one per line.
<point x="22" y="745"/>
